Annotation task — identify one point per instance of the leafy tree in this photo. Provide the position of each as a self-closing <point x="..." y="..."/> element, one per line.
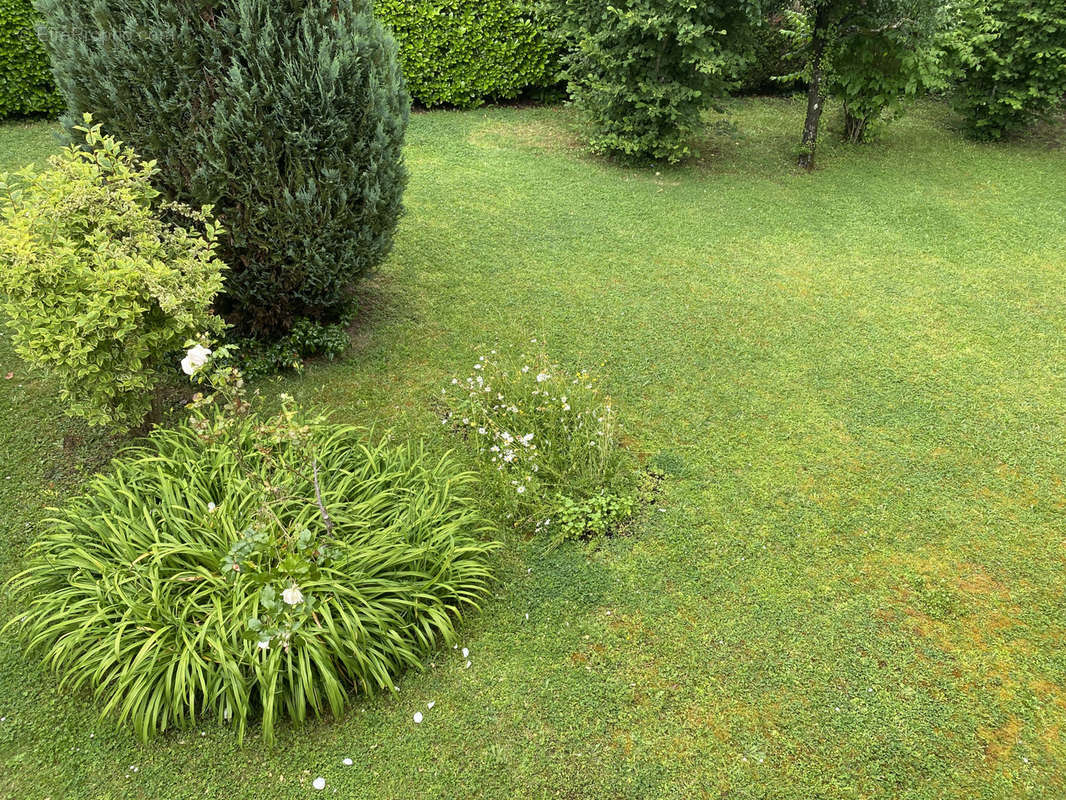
<point x="1012" y="60"/>
<point x="873" y="72"/>
<point x="644" y="71"/>
<point x="872" y="53"/>
<point x="287" y="116"/>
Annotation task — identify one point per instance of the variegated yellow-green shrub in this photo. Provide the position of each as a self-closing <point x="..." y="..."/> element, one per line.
<point x="101" y="281"/>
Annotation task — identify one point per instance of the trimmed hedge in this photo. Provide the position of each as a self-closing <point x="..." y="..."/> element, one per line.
<point x="456" y="52"/>
<point x="26" y="85"/>
<point x="464" y="52"/>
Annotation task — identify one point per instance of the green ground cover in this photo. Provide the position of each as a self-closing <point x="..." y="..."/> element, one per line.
<point x="855" y="380"/>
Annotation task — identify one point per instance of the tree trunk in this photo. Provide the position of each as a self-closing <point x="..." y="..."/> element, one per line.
<point x="854" y="127"/>
<point x="815" y="100"/>
<point x="155" y="413"/>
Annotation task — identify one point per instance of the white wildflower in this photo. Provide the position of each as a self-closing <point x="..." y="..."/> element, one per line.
<point x="195" y="357"/>
<point x="347" y="762"/>
<point x="292" y="596"/>
<point x="319" y="783"/>
<point x="543" y="376"/>
<point x="417" y="717"/>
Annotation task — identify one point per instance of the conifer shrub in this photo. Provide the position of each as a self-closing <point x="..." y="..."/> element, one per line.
<point x="287" y="116"/>
<point x="643" y="72"/>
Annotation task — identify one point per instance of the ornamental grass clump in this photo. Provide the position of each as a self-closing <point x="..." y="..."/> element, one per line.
<point x="547" y="444"/>
<point x="238" y="568"/>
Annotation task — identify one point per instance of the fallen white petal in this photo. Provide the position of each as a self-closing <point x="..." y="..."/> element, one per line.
<point x="466" y="652"/>
<point x="431" y="703"/>
<point x="319" y="783"/>
<point x="347" y="762"/>
<point x="418" y="717"/>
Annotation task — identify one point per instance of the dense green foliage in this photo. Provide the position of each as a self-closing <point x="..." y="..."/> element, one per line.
<point x="101" y="281"/>
<point x="306" y="340"/>
<point x="288" y="117"/>
<point x="643" y="71"/>
<point x="769" y="55"/>
<point x="873" y="72"/>
<point x="1012" y="56"/>
<point x="853" y="385"/>
<point x="217" y="571"/>
<point x="464" y="52"/>
<point x="26" y="85"/>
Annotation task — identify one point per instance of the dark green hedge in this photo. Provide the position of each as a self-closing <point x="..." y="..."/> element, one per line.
<point x="464" y="52"/>
<point x="26" y="86"/>
<point x="769" y="56"/>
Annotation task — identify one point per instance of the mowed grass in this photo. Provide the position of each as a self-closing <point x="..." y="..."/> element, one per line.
<point x="856" y="383"/>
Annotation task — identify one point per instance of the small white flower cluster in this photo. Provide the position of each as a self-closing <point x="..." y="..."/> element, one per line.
<point x="531" y="425"/>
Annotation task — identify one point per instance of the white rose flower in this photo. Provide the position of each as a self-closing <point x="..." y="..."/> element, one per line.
<point x="195" y="357"/>
<point x="292" y="596"/>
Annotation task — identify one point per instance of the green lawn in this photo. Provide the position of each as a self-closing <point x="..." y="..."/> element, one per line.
<point x="856" y="381"/>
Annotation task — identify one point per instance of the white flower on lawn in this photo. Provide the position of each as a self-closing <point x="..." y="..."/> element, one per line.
<point x="319" y="783"/>
<point x="466" y="652"/>
<point x="195" y="357"/>
<point x="481" y="431"/>
<point x="521" y="489"/>
<point x="477" y="366"/>
<point x="525" y="369"/>
<point x="211" y="506"/>
<point x="543" y="376"/>
<point x="347" y="762"/>
<point x="293" y="596"/>
<point x="417" y="717"/>
<point x="527" y="439"/>
<point x="263" y="644"/>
